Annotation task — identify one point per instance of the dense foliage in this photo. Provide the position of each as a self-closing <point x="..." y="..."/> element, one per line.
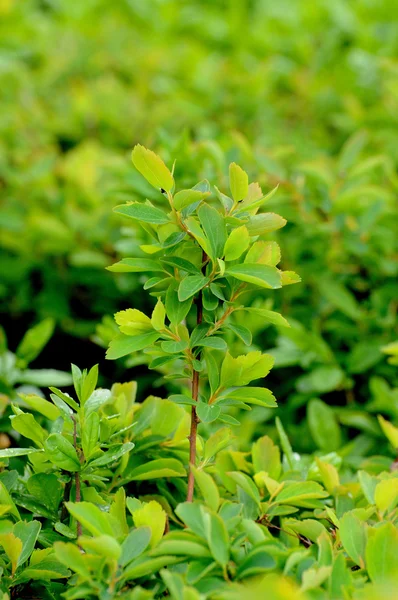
<point x="291" y="500"/>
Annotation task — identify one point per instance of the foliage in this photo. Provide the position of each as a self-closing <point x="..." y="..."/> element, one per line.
<point x="95" y="500"/>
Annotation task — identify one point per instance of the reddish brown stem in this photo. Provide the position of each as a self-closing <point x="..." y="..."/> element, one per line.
<point x="195" y="394"/>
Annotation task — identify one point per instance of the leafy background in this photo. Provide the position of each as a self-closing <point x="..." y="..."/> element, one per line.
<point x="302" y="94"/>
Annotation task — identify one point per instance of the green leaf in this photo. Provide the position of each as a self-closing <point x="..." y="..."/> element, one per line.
<point x="353" y="537"/>
<point x="112" y="455"/>
<point x="265" y="223"/>
<point x="6" y="500"/>
<point x="298" y="493"/>
<point x="46" y="488"/>
<point x="175" y="309"/>
<point x="12" y="452"/>
<point x="156" y="469"/>
<point x="102" y="545"/>
<point x="186" y="197"/>
<point x="238" y="182"/>
<point x="12" y="546"/>
<point x="196" y="230"/>
<point x="145" y="213"/>
<point x="34" y="340"/>
<point x="28" y="534"/>
<point x="69" y="555"/>
<point x="45" y="570"/>
<point x="213" y="225"/>
<point x="181" y="263"/>
<point x="285" y="443"/>
<point x="158" y="316"/>
<point x="268" y="315"/>
<point x="261" y="275"/>
<point x="208" y="488"/>
<point x="144" y="566"/>
<point x="247" y="485"/>
<point x="257" y="562"/>
<point x="41" y="405"/>
<point x="242" y="332"/>
<point x="323" y="425"/>
<point x="61" y="453"/>
<point x="135" y="544"/>
<point x="207" y="413"/>
<point x="190" y="285"/>
<point x="91" y="517"/>
<point x="381" y="554"/>
<point x="254" y="395"/>
<point x="216" y="536"/>
<point x="217" y="343"/>
<point x="151" y="166"/>
<point x="151" y="515"/>
<point x="90" y="434"/>
<point x="266" y="457"/>
<point x="123" y="344"/>
<point x="135" y="265"/>
<point x="174" y="347"/>
<point x="386" y="494"/>
<point x="26" y="425"/>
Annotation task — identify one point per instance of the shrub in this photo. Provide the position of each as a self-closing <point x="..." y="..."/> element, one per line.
<point x="120" y="499"/>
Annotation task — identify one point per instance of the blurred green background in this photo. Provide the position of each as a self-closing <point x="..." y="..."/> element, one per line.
<point x="300" y="93"/>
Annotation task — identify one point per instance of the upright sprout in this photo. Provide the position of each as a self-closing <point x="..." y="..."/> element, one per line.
<point x="206" y="251"/>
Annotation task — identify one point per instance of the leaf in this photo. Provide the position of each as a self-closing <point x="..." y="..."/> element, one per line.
<point x="265" y="223"/>
<point x="257" y="562"/>
<point x="253" y="395"/>
<point x="208" y="488"/>
<point x="90" y="434"/>
<point x="269" y="315"/>
<point x="261" y="275"/>
<point x="156" y="469"/>
<point x="381" y="554"/>
<point x="45" y="377"/>
<point x="61" y="453"/>
<point x="175" y="309"/>
<point x="6" y="500"/>
<point x="285" y="443"/>
<point x="133" y="322"/>
<point x="353" y="537"/>
<point x="298" y="493"/>
<point x="190" y="285"/>
<point x="238" y="182"/>
<point x="26" y="425"/>
<point x="181" y="263"/>
<point x="323" y="425"/>
<point x="174" y="347"/>
<point x="266" y="457"/>
<point x="386" y="494"/>
<point x="207" y="413"/>
<point x="186" y="197"/>
<point x="69" y="555"/>
<point x="12" y="546"/>
<point x="45" y="570"/>
<point x="91" y="517"/>
<point x="217" y="343"/>
<point x="217" y="536"/>
<point x="28" y="534"/>
<point x="46" y="488"/>
<point x="264" y="253"/>
<point x="41" y="405"/>
<point x="151" y="166"/>
<point x="102" y="545"/>
<point x="144" y="566"/>
<point x="242" y="332"/>
<point x="135" y="544"/>
<point x="112" y="455"/>
<point x="237" y="243"/>
<point x="34" y="340"/>
<point x="243" y="369"/>
<point x="196" y="230"/>
<point x="213" y="225"/>
<point x="247" y="485"/>
<point x="144" y="213"/>
<point x="11" y="452"/>
<point x="389" y="431"/>
<point x="136" y="265"/>
<point x="153" y="516"/>
<point x="314" y="577"/>
<point x="123" y="344"/>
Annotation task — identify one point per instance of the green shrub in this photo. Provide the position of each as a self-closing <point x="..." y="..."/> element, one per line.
<point x="107" y="498"/>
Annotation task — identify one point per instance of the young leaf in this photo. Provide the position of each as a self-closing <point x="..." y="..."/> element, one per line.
<point x="151" y="166"/>
<point x="123" y="344"/>
<point x="61" y="452"/>
<point x="238" y="182"/>
<point x="142" y="212"/>
<point x="213" y="225"/>
<point x="186" y="197"/>
<point x="190" y="285"/>
<point x="261" y="275"/>
<point x="237" y="243"/>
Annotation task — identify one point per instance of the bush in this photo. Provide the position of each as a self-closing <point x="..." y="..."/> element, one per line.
<point x="144" y="500"/>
